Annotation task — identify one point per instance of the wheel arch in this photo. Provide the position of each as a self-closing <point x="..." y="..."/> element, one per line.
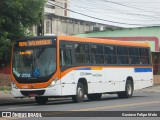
<point x="85" y="84"/>
<point x="130" y="78"/>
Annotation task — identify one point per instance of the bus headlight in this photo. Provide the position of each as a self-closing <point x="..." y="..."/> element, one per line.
<point x="14" y="85"/>
<point x="53" y="82"/>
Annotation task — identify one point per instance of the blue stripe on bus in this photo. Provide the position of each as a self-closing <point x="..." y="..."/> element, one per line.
<point x="142" y="69"/>
<point x="84" y="69"/>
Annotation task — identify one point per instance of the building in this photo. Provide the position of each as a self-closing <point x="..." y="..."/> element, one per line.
<point x="57" y="21"/>
<point x="60" y="25"/>
<point x="51" y="7"/>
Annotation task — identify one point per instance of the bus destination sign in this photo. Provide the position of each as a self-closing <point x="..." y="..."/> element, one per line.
<point x="35" y="43"/>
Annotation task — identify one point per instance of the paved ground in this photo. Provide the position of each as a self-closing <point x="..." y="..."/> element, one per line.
<point x="7" y="98"/>
<point x="147" y="99"/>
<point x="155" y="88"/>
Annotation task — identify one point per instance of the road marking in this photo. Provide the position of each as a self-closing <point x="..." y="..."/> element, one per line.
<point x="116" y="106"/>
<point x="5" y="118"/>
<point x="19" y="108"/>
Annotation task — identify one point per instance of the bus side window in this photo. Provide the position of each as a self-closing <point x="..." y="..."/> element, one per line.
<point x="144" y="55"/>
<point x="134" y="55"/>
<point x="122" y="55"/>
<point x="66" y="58"/>
<point x="110" y="54"/>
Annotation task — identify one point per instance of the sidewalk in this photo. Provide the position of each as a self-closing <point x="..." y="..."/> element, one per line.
<point x="7" y="98"/>
<point x="155" y="88"/>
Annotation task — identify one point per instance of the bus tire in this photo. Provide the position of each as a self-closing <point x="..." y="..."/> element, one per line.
<point x="128" y="90"/>
<point x="94" y="97"/>
<point x="79" y="97"/>
<point x="41" y="100"/>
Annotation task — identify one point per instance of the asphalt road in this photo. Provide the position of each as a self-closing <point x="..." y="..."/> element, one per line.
<point x="141" y="101"/>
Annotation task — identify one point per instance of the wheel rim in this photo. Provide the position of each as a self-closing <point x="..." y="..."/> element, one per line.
<point x="129" y="89"/>
<point x="80" y="92"/>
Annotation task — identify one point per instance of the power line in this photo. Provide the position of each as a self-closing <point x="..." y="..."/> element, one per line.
<point x="80" y="8"/>
<point x="139" y="2"/>
<point x="113" y="16"/>
<point x="130" y="6"/>
<point x="92" y="5"/>
<point x="93" y="1"/>
<point x="96" y="17"/>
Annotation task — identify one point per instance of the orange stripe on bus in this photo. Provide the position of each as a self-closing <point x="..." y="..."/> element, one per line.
<point x="106" y="41"/>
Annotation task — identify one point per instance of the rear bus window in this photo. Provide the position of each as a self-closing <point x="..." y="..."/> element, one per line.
<point x="144" y="56"/>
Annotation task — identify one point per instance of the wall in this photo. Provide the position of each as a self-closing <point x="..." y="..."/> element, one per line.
<point x="156" y="79"/>
<point x="134" y="32"/>
<point x="59" y="25"/>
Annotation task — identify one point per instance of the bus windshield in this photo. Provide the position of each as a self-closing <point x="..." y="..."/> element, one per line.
<point x="34" y="62"/>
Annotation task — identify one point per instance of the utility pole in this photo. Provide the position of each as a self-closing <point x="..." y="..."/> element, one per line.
<point x="39" y="29"/>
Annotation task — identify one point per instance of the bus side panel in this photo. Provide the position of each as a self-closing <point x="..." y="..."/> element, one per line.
<point x="117" y="77"/>
<point x="99" y="87"/>
<point x="68" y="89"/>
<point x="95" y="78"/>
<point x="143" y="77"/>
<point x="98" y="82"/>
<point x="106" y="79"/>
<point x="139" y="84"/>
<point x="68" y="84"/>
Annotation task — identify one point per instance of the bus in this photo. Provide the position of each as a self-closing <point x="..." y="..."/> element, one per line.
<point x="67" y="66"/>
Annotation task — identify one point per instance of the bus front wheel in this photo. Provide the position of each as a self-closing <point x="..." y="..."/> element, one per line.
<point x="128" y="90"/>
<point x="41" y="100"/>
<point x="79" y="97"/>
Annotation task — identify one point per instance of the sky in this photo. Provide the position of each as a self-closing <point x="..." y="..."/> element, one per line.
<point x="122" y="13"/>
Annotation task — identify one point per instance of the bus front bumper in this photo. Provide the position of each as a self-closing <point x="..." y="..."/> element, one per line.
<point x="49" y="91"/>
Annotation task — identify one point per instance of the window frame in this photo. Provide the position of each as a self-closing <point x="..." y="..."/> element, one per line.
<point x="90" y="63"/>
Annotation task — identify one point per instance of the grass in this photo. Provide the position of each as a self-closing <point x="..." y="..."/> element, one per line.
<point x="3" y="88"/>
<point x="5" y="80"/>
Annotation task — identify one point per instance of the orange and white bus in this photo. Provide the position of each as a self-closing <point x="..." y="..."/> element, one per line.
<point x="66" y="66"/>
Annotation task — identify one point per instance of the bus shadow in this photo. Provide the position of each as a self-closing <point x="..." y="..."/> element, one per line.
<point x="69" y="101"/>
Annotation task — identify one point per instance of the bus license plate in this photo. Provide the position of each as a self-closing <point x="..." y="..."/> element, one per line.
<point x="32" y="94"/>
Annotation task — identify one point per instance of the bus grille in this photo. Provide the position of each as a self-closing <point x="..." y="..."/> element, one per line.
<point x="35" y="92"/>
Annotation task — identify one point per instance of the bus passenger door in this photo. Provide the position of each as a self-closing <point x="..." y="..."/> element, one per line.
<point x="66" y="62"/>
<point x="67" y="74"/>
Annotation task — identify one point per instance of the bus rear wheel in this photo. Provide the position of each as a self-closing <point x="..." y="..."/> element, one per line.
<point x="94" y="97"/>
<point x="41" y="100"/>
<point x="79" y="97"/>
<point x="128" y="90"/>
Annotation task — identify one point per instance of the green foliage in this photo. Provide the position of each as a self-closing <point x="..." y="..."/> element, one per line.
<point x="4" y="43"/>
<point x="15" y="17"/>
<point x="5" y="88"/>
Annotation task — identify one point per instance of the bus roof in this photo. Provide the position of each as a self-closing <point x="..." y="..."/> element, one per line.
<point x="104" y="41"/>
<point x="90" y="40"/>
<point x="36" y="37"/>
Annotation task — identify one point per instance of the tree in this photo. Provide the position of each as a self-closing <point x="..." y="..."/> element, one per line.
<point x="15" y="17"/>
